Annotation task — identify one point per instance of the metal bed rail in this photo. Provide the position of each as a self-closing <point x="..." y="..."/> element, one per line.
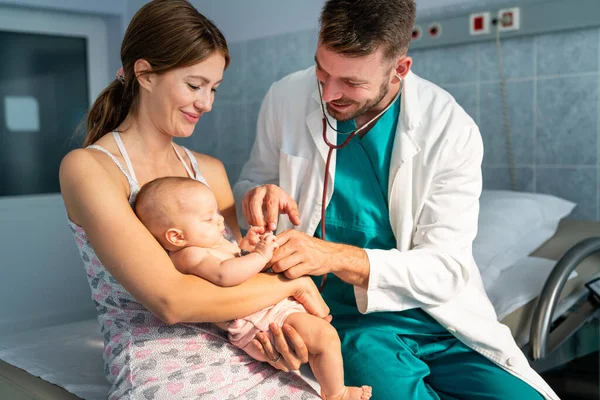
<point x="543" y="339"/>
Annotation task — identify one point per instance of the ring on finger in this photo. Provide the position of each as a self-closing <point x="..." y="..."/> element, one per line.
<point x="274" y="360"/>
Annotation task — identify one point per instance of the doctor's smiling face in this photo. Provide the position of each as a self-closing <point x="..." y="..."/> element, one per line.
<point x="354" y="86"/>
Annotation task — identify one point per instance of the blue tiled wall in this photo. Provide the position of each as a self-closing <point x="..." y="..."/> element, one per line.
<point x="552" y="90"/>
<point x="553" y="107"/>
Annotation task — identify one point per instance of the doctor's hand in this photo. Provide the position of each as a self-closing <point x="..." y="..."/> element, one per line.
<point x="263" y="204"/>
<point x="300" y="254"/>
<point x="287" y="351"/>
<point x="283" y="347"/>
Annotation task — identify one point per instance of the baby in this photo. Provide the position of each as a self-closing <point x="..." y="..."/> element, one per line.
<point x="183" y="216"/>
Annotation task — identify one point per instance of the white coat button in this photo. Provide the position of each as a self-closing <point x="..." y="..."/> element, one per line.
<point x="511" y="362"/>
<point x="451" y="329"/>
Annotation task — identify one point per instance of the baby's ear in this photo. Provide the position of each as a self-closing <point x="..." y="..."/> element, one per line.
<point x="175" y="237"/>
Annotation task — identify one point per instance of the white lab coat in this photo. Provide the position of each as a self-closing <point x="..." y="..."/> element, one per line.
<point x="434" y="188"/>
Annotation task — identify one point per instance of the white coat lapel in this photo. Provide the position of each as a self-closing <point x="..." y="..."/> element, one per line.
<point x="314" y="122"/>
<point x="405" y="147"/>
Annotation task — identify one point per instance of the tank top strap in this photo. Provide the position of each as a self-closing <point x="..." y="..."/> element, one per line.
<point x="132" y="183"/>
<point x="195" y="167"/>
<point x="123" y="151"/>
<point x="187" y="169"/>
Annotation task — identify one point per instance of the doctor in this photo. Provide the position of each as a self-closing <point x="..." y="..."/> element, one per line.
<point x="401" y="212"/>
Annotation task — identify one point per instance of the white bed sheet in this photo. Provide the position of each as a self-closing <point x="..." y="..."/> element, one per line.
<point x="519" y="284"/>
<point x="70" y="356"/>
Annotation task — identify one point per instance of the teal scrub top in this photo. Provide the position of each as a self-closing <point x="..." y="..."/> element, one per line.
<point x="388" y="349"/>
<point x="358" y="215"/>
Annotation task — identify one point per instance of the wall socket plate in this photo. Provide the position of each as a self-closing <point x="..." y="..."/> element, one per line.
<point x="509" y="19"/>
<point x="534" y="18"/>
<point x="479" y="23"/>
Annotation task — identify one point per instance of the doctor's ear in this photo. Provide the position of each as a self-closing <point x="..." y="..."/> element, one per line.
<point x="402" y="67"/>
<point x="143" y="73"/>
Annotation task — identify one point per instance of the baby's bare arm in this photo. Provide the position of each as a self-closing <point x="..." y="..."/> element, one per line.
<point x="231" y="272"/>
<point x="234" y="271"/>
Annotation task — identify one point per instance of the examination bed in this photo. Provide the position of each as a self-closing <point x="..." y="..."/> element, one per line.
<point x="65" y="361"/>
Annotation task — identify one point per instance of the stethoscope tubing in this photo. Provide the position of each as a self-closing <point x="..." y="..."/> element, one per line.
<point x="333" y="147"/>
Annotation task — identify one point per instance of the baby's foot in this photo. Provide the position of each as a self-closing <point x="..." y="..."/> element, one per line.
<point x="351" y="393"/>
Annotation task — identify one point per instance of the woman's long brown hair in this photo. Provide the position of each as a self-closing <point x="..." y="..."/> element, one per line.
<point x="168" y="34"/>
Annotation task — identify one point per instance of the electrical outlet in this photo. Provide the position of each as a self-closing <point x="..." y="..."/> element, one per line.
<point x="509" y="19"/>
<point x="434" y="30"/>
<point x="416" y="33"/>
<point x="479" y="23"/>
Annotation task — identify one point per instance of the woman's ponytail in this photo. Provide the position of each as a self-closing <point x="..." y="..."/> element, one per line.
<point x="107" y="112"/>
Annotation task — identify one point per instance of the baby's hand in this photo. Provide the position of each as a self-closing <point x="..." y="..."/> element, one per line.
<point x="251" y="239"/>
<point x="267" y="245"/>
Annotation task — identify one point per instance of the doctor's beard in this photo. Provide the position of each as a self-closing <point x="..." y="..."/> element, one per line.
<point x="363" y="107"/>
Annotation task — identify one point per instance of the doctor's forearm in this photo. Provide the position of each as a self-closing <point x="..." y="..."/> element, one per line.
<point x="350" y="264"/>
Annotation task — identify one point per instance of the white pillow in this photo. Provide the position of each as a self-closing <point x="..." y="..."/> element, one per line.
<point x="512" y="225"/>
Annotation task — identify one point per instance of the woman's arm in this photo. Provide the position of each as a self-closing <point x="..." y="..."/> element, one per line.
<point x="216" y="177"/>
<point x="96" y="199"/>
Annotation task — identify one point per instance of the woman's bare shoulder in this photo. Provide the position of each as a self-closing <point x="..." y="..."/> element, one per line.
<point x="88" y="164"/>
<point x="87" y="172"/>
<point x="212" y="169"/>
<point x="79" y="163"/>
<point x="208" y="163"/>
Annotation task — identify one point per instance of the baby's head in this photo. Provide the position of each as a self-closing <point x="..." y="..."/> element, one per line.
<point x="180" y="212"/>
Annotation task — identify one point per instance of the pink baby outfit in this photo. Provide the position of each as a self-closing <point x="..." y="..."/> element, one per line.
<point x="242" y="330"/>
<point x="146" y="359"/>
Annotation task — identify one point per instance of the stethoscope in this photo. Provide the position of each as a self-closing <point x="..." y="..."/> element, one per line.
<point x="336" y="147"/>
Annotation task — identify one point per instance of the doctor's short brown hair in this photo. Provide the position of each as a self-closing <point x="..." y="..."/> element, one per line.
<point x="358" y="28"/>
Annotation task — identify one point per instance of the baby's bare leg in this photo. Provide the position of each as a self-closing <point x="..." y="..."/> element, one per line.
<point x="325" y="357"/>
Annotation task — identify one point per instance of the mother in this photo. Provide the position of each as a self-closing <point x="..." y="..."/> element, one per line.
<point x="157" y="339"/>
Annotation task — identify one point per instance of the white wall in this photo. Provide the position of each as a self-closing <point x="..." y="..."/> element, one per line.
<point x="132" y="7"/>
<point x="242" y="20"/>
<point x="114" y="12"/>
<point x="42" y="278"/>
<point x="108" y="7"/>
